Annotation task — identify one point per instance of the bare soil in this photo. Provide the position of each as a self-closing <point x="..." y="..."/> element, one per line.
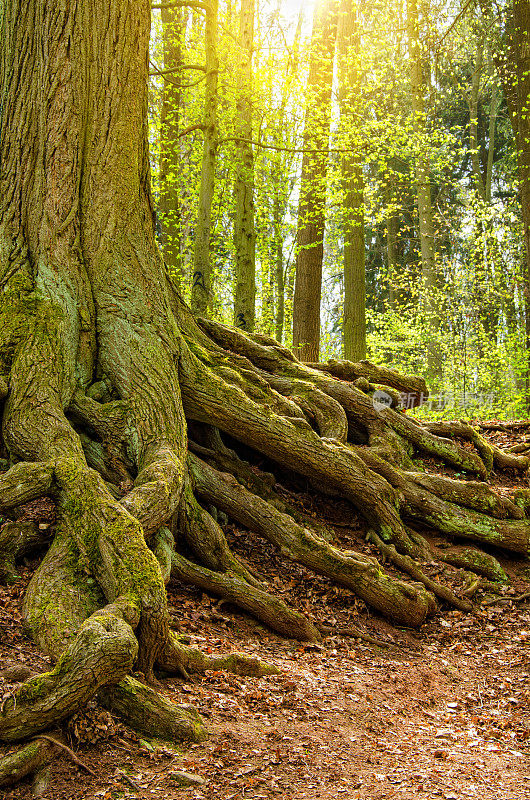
<point x="442" y="712"/>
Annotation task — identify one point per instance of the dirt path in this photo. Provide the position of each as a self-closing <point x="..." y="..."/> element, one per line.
<point x="445" y="716"/>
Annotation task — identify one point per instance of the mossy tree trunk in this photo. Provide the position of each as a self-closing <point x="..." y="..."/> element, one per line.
<point x="430" y="298"/>
<point x="103" y="369"/>
<point x="513" y="65"/>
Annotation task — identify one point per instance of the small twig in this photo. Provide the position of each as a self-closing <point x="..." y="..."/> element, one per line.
<point x="69" y="752"/>
<point x="355" y="633"/>
<point x="521" y="597"/>
<point x="494" y="600"/>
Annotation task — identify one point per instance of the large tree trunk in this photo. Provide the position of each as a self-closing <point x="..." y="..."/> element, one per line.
<point x="473" y="103"/>
<point x="514" y="69"/>
<point x="103" y="369"/>
<point x="311" y="207"/>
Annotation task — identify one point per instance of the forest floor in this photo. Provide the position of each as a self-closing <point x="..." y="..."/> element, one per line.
<point x="443" y="712"/>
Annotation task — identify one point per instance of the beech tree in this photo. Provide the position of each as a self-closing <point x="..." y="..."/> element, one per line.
<point x="169" y="205"/>
<point x="514" y="68"/>
<point x="312" y="203"/>
<point x="244" y="234"/>
<point x="348" y="56"/>
<point x="113" y="397"/>
<point x="425" y="211"/>
<point x="202" y="268"/>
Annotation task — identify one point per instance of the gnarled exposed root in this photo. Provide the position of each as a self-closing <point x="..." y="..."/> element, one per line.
<point x="474" y="561"/>
<point x="470" y="494"/>
<point x="409" y="566"/>
<point x="412" y="385"/>
<point x="489" y="453"/>
<point x="266" y="607"/>
<point x="401" y="602"/>
<point x="207" y="541"/>
<point x="102" y="652"/>
<point x="97" y="604"/>
<point x="25" y="481"/>
<point x="178" y="658"/>
<point x="17" y="539"/>
<point x="150" y="713"/>
<point x="26" y="761"/>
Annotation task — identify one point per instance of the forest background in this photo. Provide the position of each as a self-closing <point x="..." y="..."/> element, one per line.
<point x="344" y="176"/>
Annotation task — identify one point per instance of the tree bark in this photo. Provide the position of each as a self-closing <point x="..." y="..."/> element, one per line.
<point x="518" y="96"/>
<point x="169" y="204"/>
<point x="201" y="289"/>
<point x="350" y="92"/>
<point x="425" y="213"/>
<point x="392" y="232"/>
<point x="312" y="203"/>
<point x="494" y="110"/>
<point x="244" y="232"/>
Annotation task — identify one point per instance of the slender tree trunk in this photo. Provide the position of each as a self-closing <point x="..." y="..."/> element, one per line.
<point x="311" y="208"/>
<point x="392" y="230"/>
<point x="494" y="110"/>
<point x="268" y="279"/>
<point x="244" y="233"/>
<point x="280" y="269"/>
<point x="201" y="289"/>
<point x="169" y="205"/>
<point x="425" y="213"/>
<point x="478" y="259"/>
<point x="281" y="167"/>
<point x="521" y="123"/>
<point x="348" y="53"/>
<point x="514" y="69"/>
<point x="473" y="122"/>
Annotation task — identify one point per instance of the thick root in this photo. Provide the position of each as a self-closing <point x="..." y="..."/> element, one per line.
<point x="178" y="658"/>
<point x="412" y="568"/>
<point x="16" y="540"/>
<point x="267" y="608"/>
<point x="152" y="714"/>
<point x="27" y="761"/>
<point x="417" y="503"/>
<point x="475" y="561"/>
<point x="470" y="494"/>
<point x="207" y="541"/>
<point x="411" y="385"/>
<point x="444" y="449"/>
<point x="25" y="482"/>
<point x="489" y="453"/>
<point x="401" y="602"/>
<point x="103" y="652"/>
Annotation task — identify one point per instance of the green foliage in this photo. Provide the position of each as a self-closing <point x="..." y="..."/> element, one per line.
<point x="465" y="138"/>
